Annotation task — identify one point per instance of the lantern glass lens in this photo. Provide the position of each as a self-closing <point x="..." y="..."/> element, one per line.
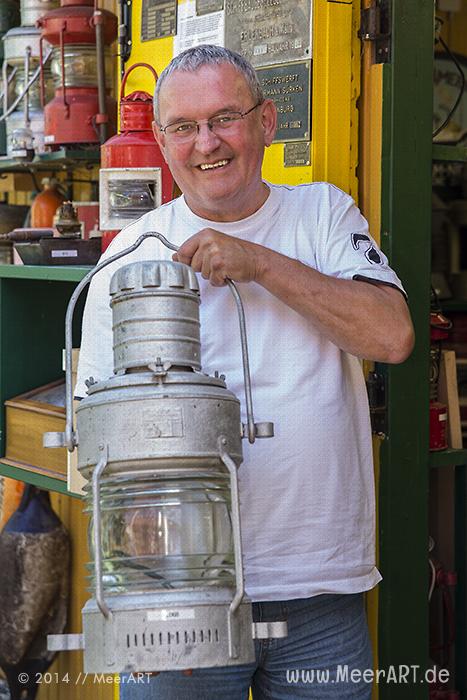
<point x="166" y="534"/>
<point x="80" y="66"/>
<point x="130" y="199"/>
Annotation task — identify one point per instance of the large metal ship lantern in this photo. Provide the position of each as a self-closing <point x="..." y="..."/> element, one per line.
<point x="160" y="443"/>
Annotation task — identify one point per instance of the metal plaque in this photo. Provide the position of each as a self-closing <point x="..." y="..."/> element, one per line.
<point x="158" y="19"/>
<point x="204" y="7"/>
<point x="297" y="153"/>
<point x="289" y="86"/>
<point x="269" y="31"/>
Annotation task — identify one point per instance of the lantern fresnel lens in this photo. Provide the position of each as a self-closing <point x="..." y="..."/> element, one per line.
<point x="160" y="445"/>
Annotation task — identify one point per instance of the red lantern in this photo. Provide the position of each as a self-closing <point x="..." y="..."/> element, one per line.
<point x="134" y="176"/>
<point x="82" y="107"/>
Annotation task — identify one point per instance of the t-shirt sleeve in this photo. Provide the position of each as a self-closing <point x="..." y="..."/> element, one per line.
<point x="95" y="357"/>
<point x="348" y="250"/>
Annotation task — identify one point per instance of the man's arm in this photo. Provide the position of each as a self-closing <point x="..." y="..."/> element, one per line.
<point x="371" y="321"/>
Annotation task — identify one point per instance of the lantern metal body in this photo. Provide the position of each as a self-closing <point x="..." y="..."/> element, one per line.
<point x="160" y="444"/>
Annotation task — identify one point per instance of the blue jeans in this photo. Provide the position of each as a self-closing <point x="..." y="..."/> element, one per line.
<point x="327" y="633"/>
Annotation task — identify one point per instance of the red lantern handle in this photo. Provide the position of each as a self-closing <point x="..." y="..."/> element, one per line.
<point x="127" y="73"/>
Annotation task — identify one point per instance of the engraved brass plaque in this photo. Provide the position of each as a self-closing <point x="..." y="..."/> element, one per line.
<point x="289" y="86"/>
<point x="297" y="153"/>
<point x="158" y="19"/>
<point x="204" y="7"/>
<point x="269" y="31"/>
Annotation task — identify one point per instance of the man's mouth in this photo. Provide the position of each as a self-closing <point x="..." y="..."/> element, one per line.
<point x="213" y="166"/>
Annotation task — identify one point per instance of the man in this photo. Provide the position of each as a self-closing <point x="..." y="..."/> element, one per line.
<point x="318" y="295"/>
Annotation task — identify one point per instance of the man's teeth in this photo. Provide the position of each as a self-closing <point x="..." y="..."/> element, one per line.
<point x="210" y="166"/>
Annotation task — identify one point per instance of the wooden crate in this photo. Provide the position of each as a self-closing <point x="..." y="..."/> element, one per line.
<point x="28" y="417"/>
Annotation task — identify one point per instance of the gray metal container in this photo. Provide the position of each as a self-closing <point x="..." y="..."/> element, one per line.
<point x="155" y="315"/>
<point x="158" y="423"/>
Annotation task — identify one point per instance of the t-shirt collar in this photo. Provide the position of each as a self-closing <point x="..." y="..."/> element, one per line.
<point x="266" y="210"/>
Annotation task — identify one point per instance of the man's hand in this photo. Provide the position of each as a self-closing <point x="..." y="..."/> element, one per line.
<point x="218" y="256"/>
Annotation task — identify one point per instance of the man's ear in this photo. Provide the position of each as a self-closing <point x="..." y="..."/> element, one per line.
<point x="160" y="138"/>
<point x="269" y="121"/>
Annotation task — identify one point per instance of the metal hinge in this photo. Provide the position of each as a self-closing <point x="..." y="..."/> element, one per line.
<point x="375" y="26"/>
<point x="376" y="388"/>
<point x="124" y="34"/>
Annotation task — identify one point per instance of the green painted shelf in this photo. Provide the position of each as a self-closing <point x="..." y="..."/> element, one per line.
<point x="448" y="458"/>
<point x="30" y="477"/>
<point x="53" y="273"/>
<point x="63" y="158"/>
<point x="443" y="152"/>
<point x="454" y="305"/>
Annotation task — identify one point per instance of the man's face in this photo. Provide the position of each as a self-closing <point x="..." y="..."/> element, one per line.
<point x="233" y="189"/>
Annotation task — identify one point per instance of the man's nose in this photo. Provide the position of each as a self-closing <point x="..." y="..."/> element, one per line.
<point x="206" y="139"/>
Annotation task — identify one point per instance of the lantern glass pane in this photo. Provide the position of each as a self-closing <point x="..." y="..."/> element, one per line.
<point x="80" y="66"/>
<point x="130" y="199"/>
<point x="167" y="533"/>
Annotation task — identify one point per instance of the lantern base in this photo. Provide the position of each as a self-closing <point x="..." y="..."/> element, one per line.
<point x="169" y="631"/>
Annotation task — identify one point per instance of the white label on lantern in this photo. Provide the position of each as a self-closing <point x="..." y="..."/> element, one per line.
<point x="64" y="253"/>
<point x="171" y="614"/>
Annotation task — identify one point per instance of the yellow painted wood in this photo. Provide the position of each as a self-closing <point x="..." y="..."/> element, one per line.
<point x="69" y="665"/>
<point x="454" y="29"/>
<point x="335" y="90"/>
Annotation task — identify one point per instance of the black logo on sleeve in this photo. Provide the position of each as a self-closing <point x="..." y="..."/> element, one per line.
<point x="361" y="240"/>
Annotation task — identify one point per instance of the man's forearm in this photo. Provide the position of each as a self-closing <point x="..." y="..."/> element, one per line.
<point x="366" y="320"/>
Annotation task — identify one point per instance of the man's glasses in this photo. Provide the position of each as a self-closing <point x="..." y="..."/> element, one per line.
<point x="221" y="123"/>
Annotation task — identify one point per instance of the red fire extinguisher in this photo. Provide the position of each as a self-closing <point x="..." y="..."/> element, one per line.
<point x="439" y="326"/>
<point x="134" y="176"/>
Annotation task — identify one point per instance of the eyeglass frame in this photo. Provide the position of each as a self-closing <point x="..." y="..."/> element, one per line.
<point x="241" y="115"/>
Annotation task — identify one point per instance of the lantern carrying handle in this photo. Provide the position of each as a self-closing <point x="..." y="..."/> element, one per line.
<point x="97" y="532"/>
<point x="69" y="438"/>
<point x="127" y="73"/>
<point x="233" y="624"/>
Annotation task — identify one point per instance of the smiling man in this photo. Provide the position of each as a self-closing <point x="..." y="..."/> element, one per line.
<point x="318" y="295"/>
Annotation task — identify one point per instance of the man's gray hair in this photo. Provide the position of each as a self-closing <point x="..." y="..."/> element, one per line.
<point x="208" y="55"/>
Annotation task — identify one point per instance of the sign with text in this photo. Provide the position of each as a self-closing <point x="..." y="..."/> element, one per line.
<point x="158" y="19"/>
<point x="289" y="86"/>
<point x="269" y="31"/>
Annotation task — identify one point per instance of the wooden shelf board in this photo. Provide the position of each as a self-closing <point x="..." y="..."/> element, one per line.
<point x="56" y="273"/>
<point x="444" y="152"/>
<point x="44" y="478"/>
<point x="454" y="304"/>
<point x="446" y="458"/>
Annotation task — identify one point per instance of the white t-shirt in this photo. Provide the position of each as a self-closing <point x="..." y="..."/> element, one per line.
<point x="307" y="495"/>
